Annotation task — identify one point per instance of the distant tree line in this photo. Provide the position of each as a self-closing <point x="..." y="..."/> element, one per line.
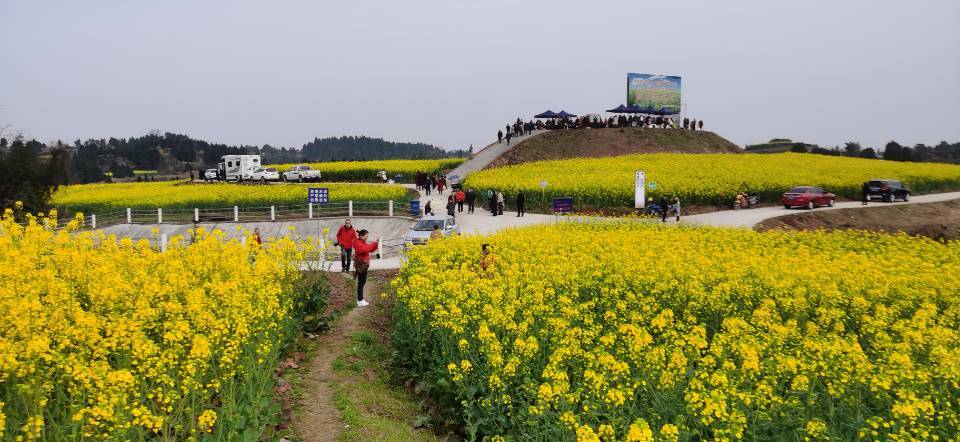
<point x="941" y="153"/>
<point x="30" y="173"/>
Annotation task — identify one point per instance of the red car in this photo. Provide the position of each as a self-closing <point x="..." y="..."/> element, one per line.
<point x="809" y="197"/>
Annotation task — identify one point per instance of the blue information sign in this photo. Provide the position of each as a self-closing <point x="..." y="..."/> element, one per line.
<point x="415" y="207"/>
<point x="318" y="195"/>
<point x="564" y="205"/>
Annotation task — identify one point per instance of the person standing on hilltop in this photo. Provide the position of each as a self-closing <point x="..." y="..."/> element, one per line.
<point x="499" y="136"/>
<point x="686" y="123"/>
<point x="471" y="151"/>
<point x="693" y="124"/>
<point x="362" y="263"/>
<point x="508" y="138"/>
<point x="346" y="235"/>
<point x="701" y="124"/>
<point x="520" y="201"/>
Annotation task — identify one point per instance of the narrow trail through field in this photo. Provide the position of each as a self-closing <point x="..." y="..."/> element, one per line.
<point x="319" y="419"/>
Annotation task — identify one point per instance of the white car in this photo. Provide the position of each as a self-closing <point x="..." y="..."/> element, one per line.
<point x="420" y="232"/>
<point x="301" y="173"/>
<point x="265" y="174"/>
<point x="210" y="175"/>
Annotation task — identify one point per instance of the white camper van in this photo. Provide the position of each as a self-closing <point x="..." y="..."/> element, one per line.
<point x="238" y="167"/>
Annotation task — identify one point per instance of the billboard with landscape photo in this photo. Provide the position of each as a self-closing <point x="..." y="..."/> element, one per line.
<point x="656" y="91"/>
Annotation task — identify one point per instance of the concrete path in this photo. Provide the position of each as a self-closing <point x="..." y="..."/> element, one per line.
<point x="485" y="156"/>
<point x="751" y="217"/>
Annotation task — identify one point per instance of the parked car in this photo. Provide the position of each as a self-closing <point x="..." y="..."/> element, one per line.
<point x="301" y="173"/>
<point x="809" y="197"/>
<point x="210" y="175"/>
<point x="887" y="190"/>
<point x="265" y="174"/>
<point x="420" y="232"/>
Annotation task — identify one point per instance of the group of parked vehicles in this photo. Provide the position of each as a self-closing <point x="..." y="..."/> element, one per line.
<point x="240" y="168"/>
<point x="810" y="197"/>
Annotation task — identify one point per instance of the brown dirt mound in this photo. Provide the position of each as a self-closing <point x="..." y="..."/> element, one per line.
<point x="940" y="221"/>
<point x="578" y="143"/>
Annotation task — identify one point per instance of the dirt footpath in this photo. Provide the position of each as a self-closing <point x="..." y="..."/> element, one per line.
<point x="939" y="220"/>
<point x="319" y="419"/>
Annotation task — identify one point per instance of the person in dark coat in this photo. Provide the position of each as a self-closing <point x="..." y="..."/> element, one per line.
<point x="700" y="124"/>
<point x="427" y="210"/>
<point x="865" y="194"/>
<point x="451" y="206"/>
<point x="663" y="208"/>
<point x="471" y="198"/>
<point x="520" y="200"/>
<point x="508" y="138"/>
<point x="499" y="136"/>
<point x="686" y="123"/>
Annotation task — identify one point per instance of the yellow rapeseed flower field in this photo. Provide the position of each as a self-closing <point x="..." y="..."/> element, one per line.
<point x="634" y="331"/>
<point x="106" y="339"/>
<point x="367" y="170"/>
<point x="707" y="179"/>
<point x="112" y="197"/>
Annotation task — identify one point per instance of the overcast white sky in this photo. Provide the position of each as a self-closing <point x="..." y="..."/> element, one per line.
<point x="451" y="72"/>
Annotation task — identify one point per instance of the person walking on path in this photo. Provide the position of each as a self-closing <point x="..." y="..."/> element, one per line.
<point x="499" y="136"/>
<point x="508" y="138"/>
<point x="471" y="152"/>
<point x="441" y="183"/>
<point x="865" y="194"/>
<point x="663" y="208"/>
<point x="459" y="196"/>
<point x="471" y="198"/>
<point x="520" y="201"/>
<point x="700" y="125"/>
<point x="500" y="202"/>
<point x="451" y="206"/>
<point x="492" y="201"/>
<point x="362" y="263"/>
<point x="676" y="207"/>
<point x="346" y="235"/>
<point x="256" y="236"/>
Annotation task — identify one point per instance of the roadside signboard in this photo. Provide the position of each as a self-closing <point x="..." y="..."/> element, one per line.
<point x="652" y="186"/>
<point x="563" y="205"/>
<point x="415" y="207"/>
<point x="640" y="190"/>
<point x="318" y="195"/>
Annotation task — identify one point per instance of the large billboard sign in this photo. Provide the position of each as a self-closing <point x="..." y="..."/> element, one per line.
<point x="655" y="91"/>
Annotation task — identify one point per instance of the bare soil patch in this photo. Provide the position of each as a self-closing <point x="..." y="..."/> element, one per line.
<point x="940" y="221"/>
<point x="590" y="143"/>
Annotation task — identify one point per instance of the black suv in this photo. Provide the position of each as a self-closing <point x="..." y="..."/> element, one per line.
<point x="887" y="190"/>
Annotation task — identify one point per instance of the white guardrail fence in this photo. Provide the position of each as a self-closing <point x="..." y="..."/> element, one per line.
<point x="238" y="214"/>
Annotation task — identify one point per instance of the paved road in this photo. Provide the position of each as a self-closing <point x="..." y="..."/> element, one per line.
<point x="752" y="217"/>
<point x="485" y="156"/>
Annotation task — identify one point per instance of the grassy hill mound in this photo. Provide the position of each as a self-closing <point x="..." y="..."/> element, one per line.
<point x="594" y="143"/>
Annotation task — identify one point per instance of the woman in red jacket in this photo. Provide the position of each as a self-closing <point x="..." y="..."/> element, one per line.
<point x="345" y="238"/>
<point x="362" y="263"/>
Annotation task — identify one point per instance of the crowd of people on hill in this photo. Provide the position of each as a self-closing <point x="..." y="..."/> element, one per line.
<point x="520" y="127"/>
<point x="429" y="182"/>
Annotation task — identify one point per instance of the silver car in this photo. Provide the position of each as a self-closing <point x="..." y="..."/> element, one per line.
<point x="420" y="233"/>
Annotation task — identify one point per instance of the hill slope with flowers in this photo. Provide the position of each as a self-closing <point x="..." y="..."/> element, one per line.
<point x="626" y="331"/>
